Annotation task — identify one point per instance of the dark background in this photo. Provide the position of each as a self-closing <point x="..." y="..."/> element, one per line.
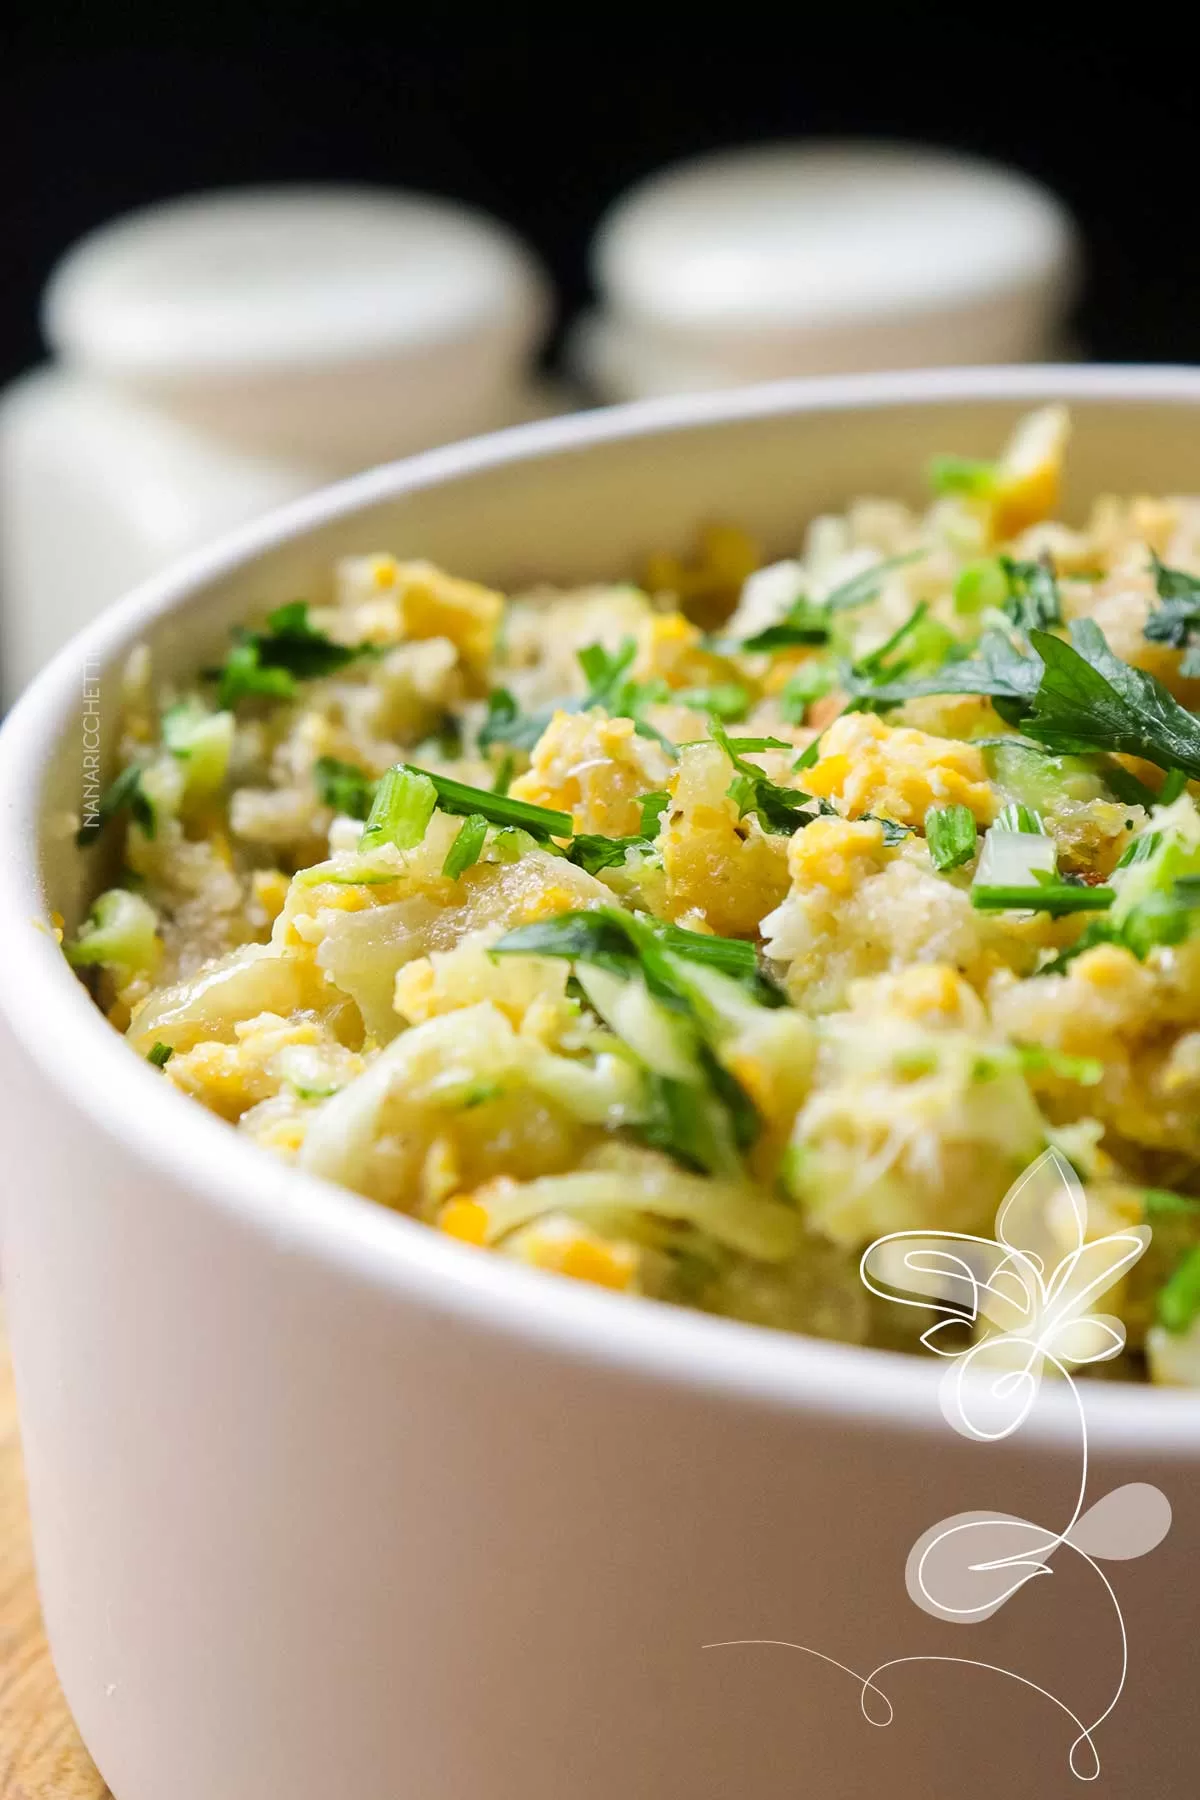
<point x="544" y="125"/>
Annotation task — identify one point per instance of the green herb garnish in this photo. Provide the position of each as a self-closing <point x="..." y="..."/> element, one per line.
<point x="400" y="813"/>
<point x="965" y="475"/>
<point x="505" y="723"/>
<point x="620" y="941"/>
<point x="779" y="810"/>
<point x="125" y="793"/>
<point x="467" y="845"/>
<point x="1073" y="698"/>
<point x="1179" y="1298"/>
<point x="611" y="687"/>
<point x="1176" y="620"/>
<point x="594" y="852"/>
<point x="160" y="1055"/>
<point x="1032" y="601"/>
<point x="270" y="664"/>
<point x="457" y="797"/>
<point x="951" y="833"/>
<point x="811" y="621"/>
<point x="1058" y="898"/>
<point x="811" y="681"/>
<point x="653" y="807"/>
<point x="348" y="789"/>
<point x="728" y="700"/>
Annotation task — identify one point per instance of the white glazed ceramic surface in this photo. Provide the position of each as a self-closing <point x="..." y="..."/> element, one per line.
<point x="326" y="1505"/>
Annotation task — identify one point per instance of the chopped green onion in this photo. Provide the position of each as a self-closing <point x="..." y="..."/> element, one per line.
<point x="202" y="741"/>
<point x="964" y="475"/>
<point x="1055" y="897"/>
<point x="811" y="621"/>
<point x="160" y="1055"/>
<point x="951" y="833"/>
<point x="465" y="849"/>
<point x="1018" y="817"/>
<point x="981" y="586"/>
<point x="1086" y="1070"/>
<point x="498" y="809"/>
<point x="120" y="932"/>
<point x="403" y="806"/>
<point x="502" y="780"/>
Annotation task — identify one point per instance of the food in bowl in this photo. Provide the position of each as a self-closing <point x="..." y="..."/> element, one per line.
<point x="687" y="937"/>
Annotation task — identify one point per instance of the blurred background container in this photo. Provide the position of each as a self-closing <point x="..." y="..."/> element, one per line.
<point x="216" y="357"/>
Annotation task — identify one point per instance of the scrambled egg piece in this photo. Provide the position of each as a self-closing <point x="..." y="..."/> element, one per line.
<point x="231" y="1078"/>
<point x="417" y="600"/>
<point x="596" y="769"/>
<point x="1137" y="1022"/>
<point x="868" y="766"/>
<point x="672" y="649"/>
<point x="859" y="907"/>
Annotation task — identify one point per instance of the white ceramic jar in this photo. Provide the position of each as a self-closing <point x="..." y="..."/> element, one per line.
<point x="792" y="259"/>
<point x="218" y="355"/>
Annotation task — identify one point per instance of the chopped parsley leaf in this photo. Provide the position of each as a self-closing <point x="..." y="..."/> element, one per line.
<point x="811" y="621"/>
<point x="653" y="807"/>
<point x="348" y="789"/>
<point x="270" y="664"/>
<point x="1176" y="619"/>
<point x="505" y="723"/>
<point x="1072" y="698"/>
<point x="611" y="687"/>
<point x="779" y="810"/>
<point x="1032" y="601"/>
<point x="594" y="852"/>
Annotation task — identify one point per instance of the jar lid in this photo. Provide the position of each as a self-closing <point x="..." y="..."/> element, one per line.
<point x="789" y="238"/>
<point x="272" y="280"/>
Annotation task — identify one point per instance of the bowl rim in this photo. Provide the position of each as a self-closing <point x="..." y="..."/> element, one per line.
<point x="89" y="1068"/>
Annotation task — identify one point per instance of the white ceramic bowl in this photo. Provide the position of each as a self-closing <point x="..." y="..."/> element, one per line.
<point x="326" y="1504"/>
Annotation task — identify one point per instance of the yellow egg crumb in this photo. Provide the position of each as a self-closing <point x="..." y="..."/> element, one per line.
<point x="464" y="1219"/>
<point x="835" y="853"/>
<point x="898" y="772"/>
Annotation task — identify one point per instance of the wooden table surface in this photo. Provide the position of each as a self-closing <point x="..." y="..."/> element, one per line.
<point x="41" y="1757"/>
